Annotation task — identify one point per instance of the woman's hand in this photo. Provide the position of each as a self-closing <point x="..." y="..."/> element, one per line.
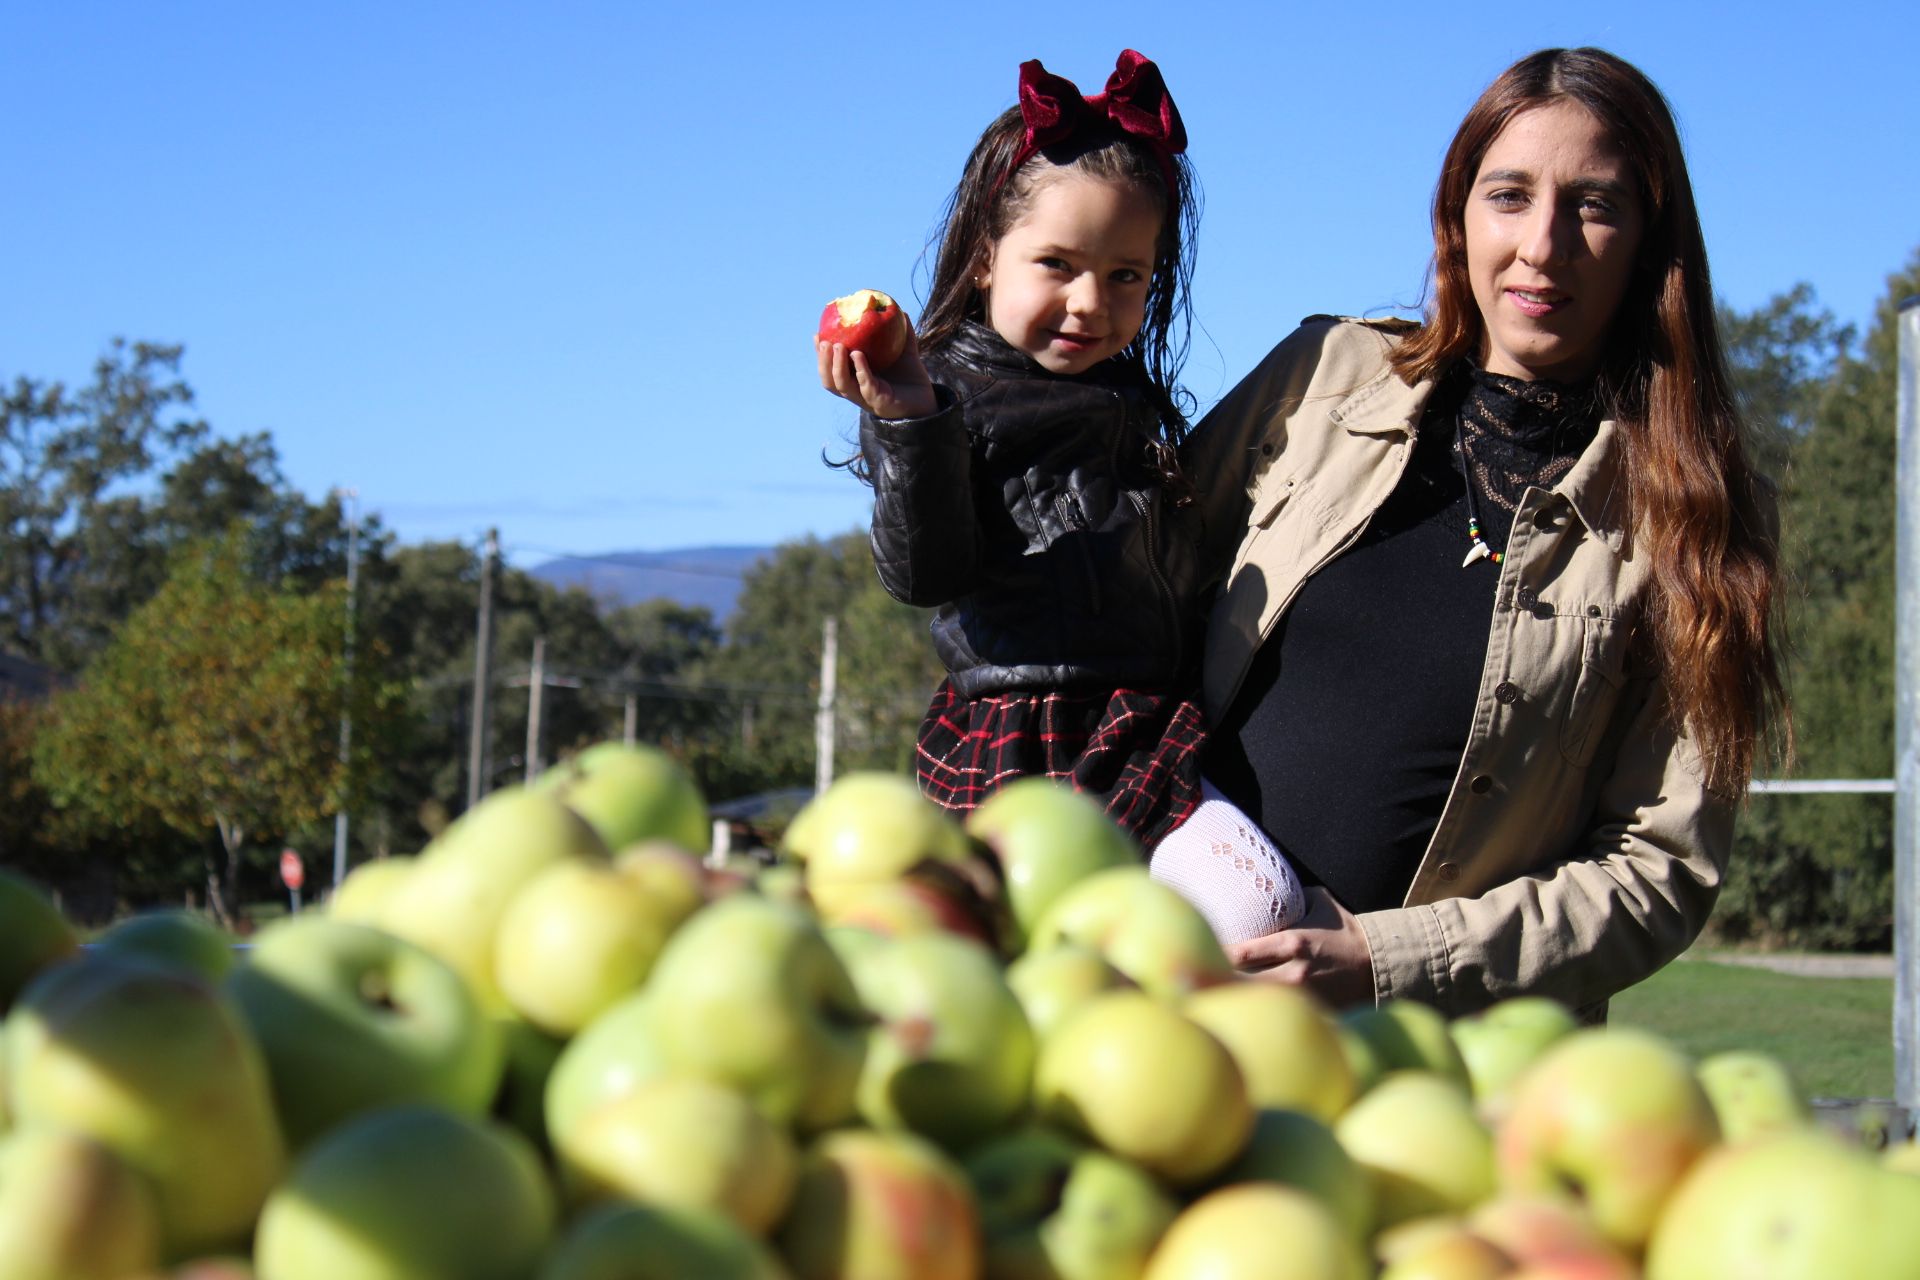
<point x="906" y="391"/>
<point x="1327" y="953"/>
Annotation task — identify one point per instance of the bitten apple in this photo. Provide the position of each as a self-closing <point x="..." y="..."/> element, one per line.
<point x="867" y="321"/>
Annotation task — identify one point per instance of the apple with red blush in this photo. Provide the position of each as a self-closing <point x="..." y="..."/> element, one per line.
<point x="867" y="321"/>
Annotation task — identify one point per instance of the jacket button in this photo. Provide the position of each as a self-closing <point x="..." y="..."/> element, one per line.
<point x="1480" y="785"/>
<point x="1449" y="871"/>
<point x="1544" y="518"/>
<point x="1593" y="611"/>
<point x="1542" y="610"/>
<point x="1506" y="693"/>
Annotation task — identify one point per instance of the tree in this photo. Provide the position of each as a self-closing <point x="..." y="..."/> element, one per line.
<point x="217" y="705"/>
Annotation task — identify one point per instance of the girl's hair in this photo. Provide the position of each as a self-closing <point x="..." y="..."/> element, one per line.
<point x="1702" y="511"/>
<point x="990" y="200"/>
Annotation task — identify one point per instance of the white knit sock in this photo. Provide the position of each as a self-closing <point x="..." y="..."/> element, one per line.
<point x="1223" y="863"/>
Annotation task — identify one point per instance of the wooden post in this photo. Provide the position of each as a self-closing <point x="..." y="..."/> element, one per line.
<point x="536" y="688"/>
<point x="1906" y="720"/>
<point x="478" y="765"/>
<point x="823" y="716"/>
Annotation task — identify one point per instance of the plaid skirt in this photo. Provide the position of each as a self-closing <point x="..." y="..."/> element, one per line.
<point x="1137" y="753"/>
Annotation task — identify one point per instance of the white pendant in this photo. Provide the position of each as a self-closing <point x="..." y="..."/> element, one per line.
<point x="1478" y="551"/>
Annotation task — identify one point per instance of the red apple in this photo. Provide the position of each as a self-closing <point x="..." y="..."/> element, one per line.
<point x="869" y="321"/>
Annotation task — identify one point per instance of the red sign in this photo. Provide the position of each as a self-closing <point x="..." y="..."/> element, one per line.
<point x="293" y="873"/>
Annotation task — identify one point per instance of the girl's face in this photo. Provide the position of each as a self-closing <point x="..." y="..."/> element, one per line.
<point x="1067" y="284"/>
<point x="1553" y="223"/>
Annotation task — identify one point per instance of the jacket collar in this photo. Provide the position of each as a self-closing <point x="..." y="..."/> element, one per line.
<point x="979" y="346"/>
<point x="1386" y="405"/>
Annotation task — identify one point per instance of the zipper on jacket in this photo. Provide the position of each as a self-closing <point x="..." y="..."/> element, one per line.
<point x="1073" y="518"/>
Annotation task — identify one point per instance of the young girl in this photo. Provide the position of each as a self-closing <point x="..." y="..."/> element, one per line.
<point x="1025" y="484"/>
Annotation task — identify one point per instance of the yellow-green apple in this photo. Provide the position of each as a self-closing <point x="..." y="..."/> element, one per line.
<point x="172" y="936"/>
<point x="1501" y="1041"/>
<point x="1256" y="1231"/>
<point x="684" y="1142"/>
<point x="1752" y="1093"/>
<point x="1046" y="836"/>
<point x="881" y="1206"/>
<point x="1789" y="1204"/>
<point x="668" y="874"/>
<point x="1537" y="1227"/>
<point x="1053" y="1209"/>
<point x="1614" y="1115"/>
<point x="1141" y="927"/>
<point x="657" y="1242"/>
<point x="452" y="901"/>
<point x="156" y="1064"/>
<point x="351" y="1018"/>
<point x="1284" y="1041"/>
<point x="1423" y="1148"/>
<point x="1572" y="1267"/>
<point x="867" y="321"/>
<point x="631" y="792"/>
<point x="1405" y="1035"/>
<point x="868" y="827"/>
<point x="409" y="1193"/>
<point x="1147" y="1083"/>
<point x="749" y="993"/>
<point x="1050" y="984"/>
<point x="576" y="938"/>
<point x="783" y="881"/>
<point x="362" y="896"/>
<point x="530" y="1056"/>
<point x="33" y="934"/>
<point x="1300" y="1150"/>
<point x="914" y="902"/>
<point x="70" y="1209"/>
<point x="616" y="1054"/>
<point x="950" y="1054"/>
<point x="223" y="1267"/>
<point x="1455" y="1253"/>
<point x="1901" y="1157"/>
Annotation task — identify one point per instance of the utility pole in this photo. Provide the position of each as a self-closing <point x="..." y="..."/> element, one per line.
<point x="631" y="728"/>
<point x="352" y="497"/>
<point x="1906" y="721"/>
<point x="477" y="763"/>
<point x="536" y="688"/>
<point x="823" y="717"/>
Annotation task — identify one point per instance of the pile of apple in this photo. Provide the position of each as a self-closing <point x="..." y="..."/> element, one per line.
<point x="557" y="1046"/>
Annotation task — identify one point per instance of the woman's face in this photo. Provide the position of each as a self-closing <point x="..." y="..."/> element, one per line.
<point x="1553" y="224"/>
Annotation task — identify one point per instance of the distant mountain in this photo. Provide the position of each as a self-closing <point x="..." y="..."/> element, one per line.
<point x="693" y="576"/>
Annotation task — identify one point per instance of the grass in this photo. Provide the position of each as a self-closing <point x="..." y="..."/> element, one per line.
<point x="1835" y="1035"/>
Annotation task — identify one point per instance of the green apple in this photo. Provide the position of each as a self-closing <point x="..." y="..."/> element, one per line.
<point x="1423" y="1148"/>
<point x="225" y="1267"/>
<point x="1047" y="837"/>
<point x="172" y="936"/>
<point x="530" y="1057"/>
<point x="1141" y="927"/>
<point x="1146" y="1083"/>
<point x="1752" y="1093"/>
<point x="1284" y="1041"/>
<point x="351" y="1018"/>
<point x="1616" y="1116"/>
<point x="362" y="896"/>
<point x="667" y="874"/>
<point x="157" y="1065"/>
<point x="881" y="1206"/>
<point x="1452" y="1254"/>
<point x="70" y="1209"/>
<point x="1256" y="1231"/>
<point x="1050" y="984"/>
<point x="452" y="901"/>
<point x="1298" y="1149"/>
<point x="576" y="938"/>
<point x="33" y="934"/>
<point x="1787" y="1204"/>
<point x="1405" y="1035"/>
<point x="1052" y="1209"/>
<point x="616" y="1054"/>
<point x="683" y="1142"/>
<point x="868" y="827"/>
<point x="412" y="1192"/>
<point x="1501" y="1041"/>
<point x="914" y="902"/>
<point x="1534" y="1227"/>
<point x="750" y="994"/>
<point x="658" y="1242"/>
<point x="631" y="793"/>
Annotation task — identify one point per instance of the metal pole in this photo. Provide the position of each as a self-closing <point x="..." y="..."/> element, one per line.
<point x="536" y="687"/>
<point x="823" y="717"/>
<point x="1906" y="713"/>
<point x="346" y="710"/>
<point x="477" y="735"/>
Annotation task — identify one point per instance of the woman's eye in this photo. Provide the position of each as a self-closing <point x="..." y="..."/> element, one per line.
<point x="1598" y="208"/>
<point x="1507" y="198"/>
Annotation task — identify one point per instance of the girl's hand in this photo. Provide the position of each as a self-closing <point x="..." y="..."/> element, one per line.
<point x="1327" y="953"/>
<point x="906" y="391"/>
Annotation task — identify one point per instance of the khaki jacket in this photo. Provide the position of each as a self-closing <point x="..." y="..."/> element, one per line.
<point x="1578" y="850"/>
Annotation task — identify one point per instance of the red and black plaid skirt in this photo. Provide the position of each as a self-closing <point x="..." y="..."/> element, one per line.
<point x="1137" y="753"/>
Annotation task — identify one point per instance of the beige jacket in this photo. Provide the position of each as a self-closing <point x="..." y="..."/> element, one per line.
<point x="1578" y="850"/>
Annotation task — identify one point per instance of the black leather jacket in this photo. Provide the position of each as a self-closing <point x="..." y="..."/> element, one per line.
<point x="1029" y="510"/>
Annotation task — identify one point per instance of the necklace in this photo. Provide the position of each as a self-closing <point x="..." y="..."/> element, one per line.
<point x="1479" y="550"/>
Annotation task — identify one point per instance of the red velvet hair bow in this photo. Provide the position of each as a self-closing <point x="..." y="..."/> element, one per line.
<point x="1135" y="101"/>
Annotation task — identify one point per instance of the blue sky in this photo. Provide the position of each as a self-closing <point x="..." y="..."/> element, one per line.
<point x="554" y="267"/>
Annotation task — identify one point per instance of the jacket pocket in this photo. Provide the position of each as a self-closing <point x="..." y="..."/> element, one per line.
<point x="1603" y="674"/>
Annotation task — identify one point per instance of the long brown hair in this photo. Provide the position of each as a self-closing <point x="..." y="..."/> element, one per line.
<point x="1700" y="510"/>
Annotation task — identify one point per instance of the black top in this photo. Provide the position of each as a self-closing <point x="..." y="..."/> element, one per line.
<point x="1344" y="740"/>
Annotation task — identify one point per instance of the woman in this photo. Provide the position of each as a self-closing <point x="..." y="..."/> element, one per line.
<point x="1493" y="663"/>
